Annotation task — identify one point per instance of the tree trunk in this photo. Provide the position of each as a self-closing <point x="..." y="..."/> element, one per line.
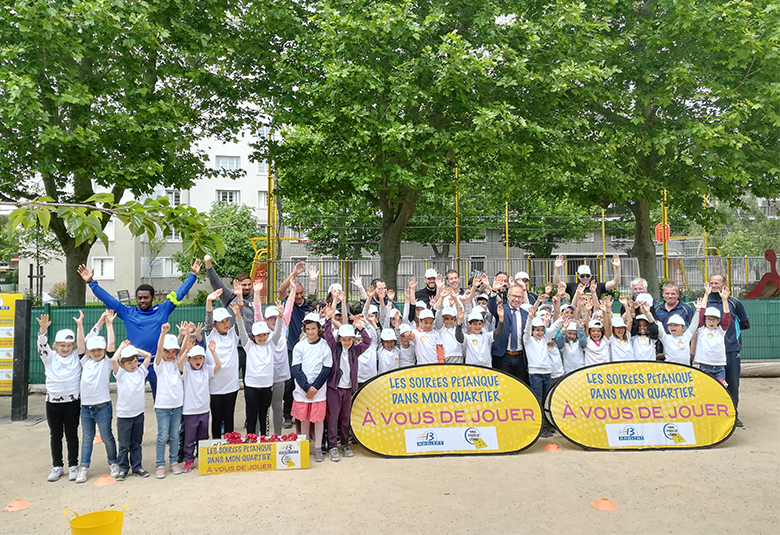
<point x="76" y="288"/>
<point x="441" y="251"/>
<point x="395" y="216"/>
<point x="644" y="248"/>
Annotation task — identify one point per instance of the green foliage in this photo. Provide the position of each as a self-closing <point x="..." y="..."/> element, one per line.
<point x="32" y="242"/>
<point x="233" y="226"/>
<point x="58" y="291"/>
<point x="200" y="299"/>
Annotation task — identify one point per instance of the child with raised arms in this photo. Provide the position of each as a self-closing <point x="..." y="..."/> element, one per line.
<point x="311" y="366"/>
<point x="477" y="341"/>
<point x="169" y="401"/>
<point x="96" y="409"/>
<point x="130" y="405"/>
<point x="535" y="340"/>
<point x="63" y="373"/>
<point x="711" y="337"/>
<point x="599" y="332"/>
<point x="406" y="356"/>
<point x="572" y="342"/>
<point x="445" y="324"/>
<point x="224" y="383"/>
<point x="621" y="346"/>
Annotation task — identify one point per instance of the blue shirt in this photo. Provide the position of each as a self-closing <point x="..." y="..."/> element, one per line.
<point x="686" y="311"/>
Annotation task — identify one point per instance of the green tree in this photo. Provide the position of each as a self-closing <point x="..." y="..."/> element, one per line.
<point x="234" y="226"/>
<point x="110" y="97"/>
<point x="691" y="108"/>
<point x="384" y="99"/>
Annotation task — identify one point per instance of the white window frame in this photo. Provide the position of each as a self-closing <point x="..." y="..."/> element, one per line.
<point x="99" y="274"/>
<point x="262" y="167"/>
<point x="262" y="199"/>
<point x="174" y="197"/>
<point x="235" y="193"/>
<point x="233" y="162"/>
<point x="477" y="258"/>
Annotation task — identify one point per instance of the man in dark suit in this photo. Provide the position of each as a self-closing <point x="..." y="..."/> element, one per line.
<point x="507" y="350"/>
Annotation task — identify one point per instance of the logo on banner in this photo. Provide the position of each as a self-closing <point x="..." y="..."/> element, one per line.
<point x="428" y="439"/>
<point x="629" y="433"/>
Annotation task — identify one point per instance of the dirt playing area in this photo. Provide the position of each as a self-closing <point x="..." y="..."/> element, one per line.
<point x="729" y="489"/>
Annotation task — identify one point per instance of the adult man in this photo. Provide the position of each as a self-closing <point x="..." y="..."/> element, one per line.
<point x="584" y="277"/>
<point x="143" y="322"/>
<point x="300" y="308"/>
<point x="429" y="290"/>
<point x="507" y="350"/>
<point x="245" y="300"/>
<point x="523" y="276"/>
<point x="670" y="306"/>
<point x="452" y="280"/>
<point x="739" y="323"/>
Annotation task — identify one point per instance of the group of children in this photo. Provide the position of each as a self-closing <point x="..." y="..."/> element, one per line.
<point x="337" y="353"/>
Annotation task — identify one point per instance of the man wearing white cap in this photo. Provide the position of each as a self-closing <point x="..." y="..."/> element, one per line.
<point x="584" y="277"/>
<point x="523" y="276"/>
<point x="429" y="290"/>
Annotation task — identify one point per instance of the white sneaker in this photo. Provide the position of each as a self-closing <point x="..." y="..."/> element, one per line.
<point x="83" y="474"/>
<point x="55" y="474"/>
<point x="114" y="470"/>
<point x="73" y="472"/>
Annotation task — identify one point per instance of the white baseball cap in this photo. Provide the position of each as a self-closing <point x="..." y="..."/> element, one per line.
<point x="129" y="351"/>
<point x="676" y="319"/>
<point x="430" y="272"/>
<point x="311" y="316"/>
<point x="595" y="324"/>
<point x="645" y="298"/>
<point x="394" y="312"/>
<point x="373" y="309"/>
<point x="478" y="309"/>
<point x="713" y="312"/>
<point x="483" y="296"/>
<point x="642" y="317"/>
<point x="65" y="336"/>
<point x="584" y="269"/>
<point x="221" y="314"/>
<point x="427" y="313"/>
<point x="405" y="328"/>
<point x="526" y="307"/>
<point x="420" y="304"/>
<point x="449" y="311"/>
<point x="260" y="327"/>
<point x="522" y="275"/>
<point x="475" y="315"/>
<point x="335" y="286"/>
<point x="617" y="321"/>
<point x="537" y="322"/>
<point x="346" y="331"/>
<point x="171" y="342"/>
<point x="196" y="351"/>
<point x="572" y="326"/>
<point x="96" y="342"/>
<point x="388" y="335"/>
<point x="272" y="311"/>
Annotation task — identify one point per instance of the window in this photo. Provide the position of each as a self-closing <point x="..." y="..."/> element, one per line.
<point x="477" y="264"/>
<point x="174" y="197"/>
<point x="481" y="239"/>
<point x="262" y="168"/>
<point x="229" y="162"/>
<point x="262" y="199"/>
<point x="590" y="238"/>
<point x="103" y="267"/>
<point x="229" y="196"/>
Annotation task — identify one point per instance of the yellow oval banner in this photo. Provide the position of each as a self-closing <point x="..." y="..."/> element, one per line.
<point x="641" y="405"/>
<point x="445" y="409"/>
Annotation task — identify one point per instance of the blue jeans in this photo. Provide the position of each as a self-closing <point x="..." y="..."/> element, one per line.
<point x="130" y="432"/>
<point x="540" y="385"/>
<point x="514" y="365"/>
<point x="716" y="372"/>
<point x="168" y="422"/>
<point x="102" y="415"/>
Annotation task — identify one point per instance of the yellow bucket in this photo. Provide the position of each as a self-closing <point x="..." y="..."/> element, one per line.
<point x="97" y="523"/>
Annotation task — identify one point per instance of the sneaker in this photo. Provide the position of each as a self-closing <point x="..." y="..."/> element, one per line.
<point x="348" y="451"/>
<point x="333" y="453"/>
<point x="83" y="474"/>
<point x="188" y="467"/>
<point x="546" y="433"/>
<point x="141" y="472"/>
<point x="318" y="455"/>
<point x="113" y="470"/>
<point x="121" y="476"/>
<point x="287" y="423"/>
<point x="73" y="473"/>
<point x="160" y="473"/>
<point x="55" y="474"/>
<point x="739" y="423"/>
<point x="176" y="469"/>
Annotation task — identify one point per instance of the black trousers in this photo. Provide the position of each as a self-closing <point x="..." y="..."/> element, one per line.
<point x="63" y="419"/>
<point x="289" y="386"/>
<point x="257" y="400"/>
<point x="514" y="365"/>
<point x="223" y="408"/>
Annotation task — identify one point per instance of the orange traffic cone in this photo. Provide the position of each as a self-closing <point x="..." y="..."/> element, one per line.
<point x="604" y="504"/>
<point x="17" y="505"/>
<point x="552" y="447"/>
<point x="105" y="481"/>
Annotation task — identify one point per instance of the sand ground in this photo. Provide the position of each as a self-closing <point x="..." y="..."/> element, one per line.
<point x="729" y="489"/>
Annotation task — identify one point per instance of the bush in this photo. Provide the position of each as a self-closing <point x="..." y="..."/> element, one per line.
<point x="58" y="292"/>
<point x="200" y="299"/>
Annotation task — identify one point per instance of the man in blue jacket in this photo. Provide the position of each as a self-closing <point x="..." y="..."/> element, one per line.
<point x="507" y="350"/>
<point x="143" y="322"/>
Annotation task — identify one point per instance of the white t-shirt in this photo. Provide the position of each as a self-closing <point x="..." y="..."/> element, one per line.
<point x="196" y="389"/>
<point x="388" y="360"/>
<point x="425" y="346"/>
<point x="259" y="365"/>
<point x="644" y="347"/>
<point x="170" y="387"/>
<point x="281" y="359"/>
<point x="345" y="381"/>
<point x="63" y="374"/>
<point x="225" y="379"/>
<point x="95" y="379"/>
<point x="596" y="353"/>
<point x="622" y="350"/>
<point x="711" y="346"/>
<point x="449" y="344"/>
<point x="406" y="357"/>
<point x="367" y="361"/>
<point x="556" y="364"/>
<point x="677" y="349"/>
<point x="477" y="348"/>
<point x="130" y="392"/>
<point x="573" y="356"/>
<point x="312" y="358"/>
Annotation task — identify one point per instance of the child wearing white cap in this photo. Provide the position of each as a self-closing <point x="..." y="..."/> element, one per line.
<point x="406" y="353"/>
<point x="599" y="333"/>
<point x="260" y="373"/>
<point x="620" y="342"/>
<point x="388" y="351"/>
<point x="445" y="324"/>
<point x="224" y="383"/>
<point x="130" y="406"/>
<point x="427" y="345"/>
<point x="169" y="401"/>
<point x="477" y="342"/>
<point x="63" y="372"/>
<point x="677" y="344"/>
<point x="535" y="340"/>
<point x="572" y="342"/>
<point x="644" y="330"/>
<point x="711" y="337"/>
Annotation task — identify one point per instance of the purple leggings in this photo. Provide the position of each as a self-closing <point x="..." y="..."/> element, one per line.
<point x="196" y="427"/>
<point x="339" y="405"/>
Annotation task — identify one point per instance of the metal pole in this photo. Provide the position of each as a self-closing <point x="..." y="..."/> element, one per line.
<point x="706" y="263"/>
<point x="603" y="235"/>
<point x="21" y="372"/>
<point x="457" y="223"/>
<point x="665" y="242"/>
<point x="728" y="268"/>
<point x="506" y="228"/>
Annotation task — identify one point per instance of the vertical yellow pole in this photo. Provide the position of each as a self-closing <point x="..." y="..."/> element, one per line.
<point x="664" y="223"/>
<point x="345" y="284"/>
<point x="603" y="237"/>
<point x="506" y="229"/>
<point x="457" y="223"/>
<point x="271" y="234"/>
<point x="747" y="275"/>
<point x="319" y="280"/>
<point x="728" y="268"/>
<point x="706" y="262"/>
